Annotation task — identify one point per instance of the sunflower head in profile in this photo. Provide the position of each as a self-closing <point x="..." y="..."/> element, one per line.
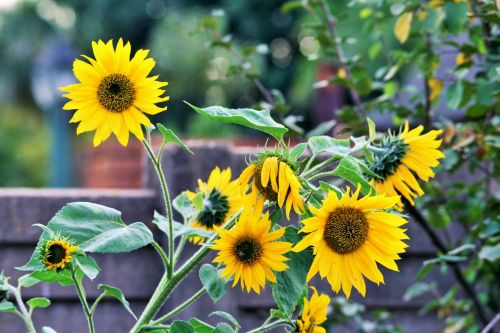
<point x="250" y="251"/>
<point x="406" y="157"/>
<point x="114" y="92"/>
<point x="273" y="177"/>
<point x="313" y="313"/>
<point x="57" y="253"/>
<point x="221" y="200"/>
<point x="350" y="236"/>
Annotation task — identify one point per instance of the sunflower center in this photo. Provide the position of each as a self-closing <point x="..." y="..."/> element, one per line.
<point x="56" y="253"/>
<point x="248" y="250"/>
<point x="116" y="93"/>
<point x="387" y="162"/>
<point x="215" y="208"/>
<point x="345" y="230"/>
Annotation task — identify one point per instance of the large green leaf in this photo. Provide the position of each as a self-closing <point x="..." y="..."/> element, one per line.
<point x="257" y="119"/>
<point x="88" y="266"/>
<point x="94" y="228"/>
<point x="52" y="276"/>
<point x="323" y="143"/>
<point x="290" y="284"/>
<point x="215" y="285"/>
<point x="116" y="293"/>
<point x="349" y="169"/>
<point x="181" y="326"/>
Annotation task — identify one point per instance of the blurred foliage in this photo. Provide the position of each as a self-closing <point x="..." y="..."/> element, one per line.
<point x="22" y="161"/>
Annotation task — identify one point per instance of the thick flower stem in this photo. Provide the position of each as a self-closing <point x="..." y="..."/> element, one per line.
<point x="168" y="205"/>
<point x="23" y="312"/>
<point x="180" y="308"/>
<point x="81" y="295"/>
<point x="268" y="327"/>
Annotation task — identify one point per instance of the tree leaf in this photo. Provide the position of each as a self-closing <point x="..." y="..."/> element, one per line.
<point x="403" y="27"/>
<point x="169" y="136"/>
<point x="88" y="266"/>
<point x="454" y="95"/>
<point x="215" y="285"/>
<point x="290" y="284"/>
<point x="38" y="302"/>
<point x="259" y="120"/>
<point x="181" y="326"/>
<point x="323" y="143"/>
<point x="116" y="293"/>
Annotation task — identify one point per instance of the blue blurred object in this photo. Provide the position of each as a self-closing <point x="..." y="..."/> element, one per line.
<point x="51" y="70"/>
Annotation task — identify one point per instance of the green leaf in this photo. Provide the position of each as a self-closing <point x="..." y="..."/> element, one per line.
<point x="329" y="187"/>
<point x="116" y="293"/>
<point x="371" y="129"/>
<point x="183" y="205"/>
<point x="88" y="266"/>
<point x="52" y="276"/>
<point x="298" y="151"/>
<point x="118" y="240"/>
<point x="455" y="94"/>
<point x="476" y="110"/>
<point x="349" y="170"/>
<point x="416" y="290"/>
<point x="200" y="326"/>
<point x="290" y="284"/>
<point x="456" y="16"/>
<point x="179" y="228"/>
<point x="169" y="136"/>
<point x="181" y="326"/>
<point x="215" y="285"/>
<point x="321" y="128"/>
<point x="223" y="328"/>
<point x="26" y="281"/>
<point x="38" y="302"/>
<point x="424" y="271"/>
<point x="227" y="317"/>
<point x="490" y="253"/>
<point x="275" y="313"/>
<point x="259" y="120"/>
<point x="47" y="329"/>
<point x="320" y="144"/>
<point x="6" y="306"/>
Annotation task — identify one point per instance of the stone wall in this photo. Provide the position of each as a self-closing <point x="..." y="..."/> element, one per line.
<point x="137" y="273"/>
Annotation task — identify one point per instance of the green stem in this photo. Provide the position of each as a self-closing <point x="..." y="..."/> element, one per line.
<point x="161" y="253"/>
<point x="320" y="166"/>
<point x="178" y="250"/>
<point x="180" y="308"/>
<point x="24" y="314"/>
<point x="309" y="162"/>
<point x="168" y="205"/>
<point x="98" y="299"/>
<point x="267" y="327"/>
<point x="81" y="295"/>
<point x="321" y="175"/>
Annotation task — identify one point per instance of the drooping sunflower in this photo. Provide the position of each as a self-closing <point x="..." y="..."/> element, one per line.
<point x="221" y="200"/>
<point x="114" y="92"/>
<point x="250" y="251"/>
<point x="275" y="179"/>
<point x="350" y="236"/>
<point x="405" y="156"/>
<point x="313" y="314"/>
<point x="57" y="253"/>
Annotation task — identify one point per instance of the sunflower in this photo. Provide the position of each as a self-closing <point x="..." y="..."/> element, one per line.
<point x="250" y="250"/>
<point x="313" y="314"/>
<point x="114" y="92"/>
<point x="57" y="253"/>
<point x="221" y="200"/>
<point x="407" y="152"/>
<point x="350" y="236"/>
<point x="275" y="180"/>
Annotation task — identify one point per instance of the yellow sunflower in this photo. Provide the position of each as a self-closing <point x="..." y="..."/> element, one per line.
<point x="313" y="314"/>
<point x="221" y="200"/>
<point x="350" y="236"/>
<point x="250" y="250"/>
<point x="114" y="92"/>
<point x="407" y="152"/>
<point x="57" y="253"/>
<point x="275" y="180"/>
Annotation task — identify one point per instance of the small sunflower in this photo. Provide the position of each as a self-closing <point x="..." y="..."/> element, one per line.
<point x="250" y="250"/>
<point x="407" y="152"/>
<point x="313" y="314"/>
<point x="57" y="253"/>
<point x="114" y="92"/>
<point x="350" y="236"/>
<point x="274" y="178"/>
<point x="221" y="200"/>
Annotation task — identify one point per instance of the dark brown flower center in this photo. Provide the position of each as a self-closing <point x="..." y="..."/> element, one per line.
<point x="55" y="253"/>
<point x="346" y="229"/>
<point x="116" y="93"/>
<point x="248" y="250"/>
